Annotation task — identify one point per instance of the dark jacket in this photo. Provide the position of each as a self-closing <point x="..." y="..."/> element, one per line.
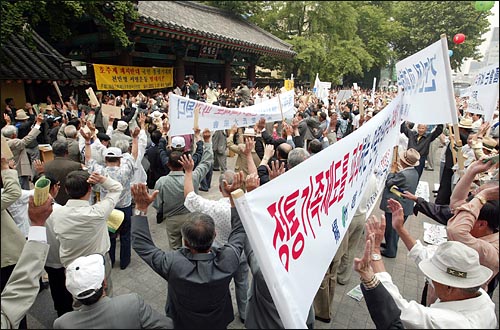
<point x="421" y="145"/>
<point x="198" y="294"/>
<point x="406" y="179"/>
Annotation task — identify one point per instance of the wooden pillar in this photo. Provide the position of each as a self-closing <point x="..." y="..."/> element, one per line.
<point x="251" y="73"/>
<point x="179" y="71"/>
<point x="227" y="75"/>
<point x="125" y="58"/>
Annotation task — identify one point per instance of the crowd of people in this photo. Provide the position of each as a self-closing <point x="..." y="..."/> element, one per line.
<point x="106" y="173"/>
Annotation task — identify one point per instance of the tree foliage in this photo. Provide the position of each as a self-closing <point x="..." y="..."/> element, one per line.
<point x="59" y="17"/>
<point x="337" y="38"/>
<point x="423" y="22"/>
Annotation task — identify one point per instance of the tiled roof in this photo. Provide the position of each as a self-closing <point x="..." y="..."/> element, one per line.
<point x="43" y="62"/>
<point x="208" y="22"/>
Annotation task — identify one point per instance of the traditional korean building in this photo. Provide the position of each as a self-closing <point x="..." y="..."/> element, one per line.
<point x="207" y="42"/>
<point x="28" y="70"/>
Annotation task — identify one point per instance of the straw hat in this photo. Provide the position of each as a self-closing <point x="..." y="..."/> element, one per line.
<point x="489" y="143"/>
<point x="465" y="123"/>
<point x="410" y="157"/>
<point x="249" y="131"/>
<point x="21" y="115"/>
<point x="457" y="265"/>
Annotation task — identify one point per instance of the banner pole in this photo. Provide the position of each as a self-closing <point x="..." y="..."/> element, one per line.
<point x="281" y="109"/>
<point x="451" y="99"/>
<point x="58" y="92"/>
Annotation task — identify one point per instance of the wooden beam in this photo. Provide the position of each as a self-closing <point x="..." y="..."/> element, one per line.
<point x="203" y="60"/>
<point x="153" y="55"/>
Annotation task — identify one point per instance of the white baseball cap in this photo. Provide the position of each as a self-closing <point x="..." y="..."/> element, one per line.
<point x="178" y="142"/>
<point x="85" y="275"/>
<point x="113" y="152"/>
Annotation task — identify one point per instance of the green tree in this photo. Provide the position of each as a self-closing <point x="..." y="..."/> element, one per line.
<point x="59" y="16"/>
<point x="423" y="22"/>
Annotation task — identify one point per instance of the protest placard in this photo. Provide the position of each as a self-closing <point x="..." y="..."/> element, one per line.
<point x="309" y="208"/>
<point x="483" y="93"/>
<point x="343" y="94"/>
<point x="93" y="98"/>
<point x="111" y="110"/>
<point x="426" y="86"/>
<point x="182" y="113"/>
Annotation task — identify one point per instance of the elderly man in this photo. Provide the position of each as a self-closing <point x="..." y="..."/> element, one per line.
<point x="198" y="274"/>
<point x="85" y="280"/>
<point x="420" y="141"/>
<point x="455" y="273"/>
<point x="170" y="200"/>
<point x="405" y="179"/>
<point x="18" y="148"/>
<point x="60" y="167"/>
<point x="120" y="167"/>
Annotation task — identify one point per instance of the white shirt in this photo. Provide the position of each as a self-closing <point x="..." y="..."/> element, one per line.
<point x="19" y="211"/>
<point x="473" y="313"/>
<point x="219" y="211"/>
<point x="81" y="228"/>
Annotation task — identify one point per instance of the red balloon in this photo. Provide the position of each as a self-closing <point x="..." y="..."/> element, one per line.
<point x="459" y="38"/>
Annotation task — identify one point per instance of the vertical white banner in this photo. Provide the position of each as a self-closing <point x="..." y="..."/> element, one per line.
<point x="296" y="222"/>
<point x="483" y="94"/>
<point x="424" y="81"/>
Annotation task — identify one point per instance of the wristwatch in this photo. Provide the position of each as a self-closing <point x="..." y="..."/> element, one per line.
<point x="376" y="256"/>
<point x="139" y="212"/>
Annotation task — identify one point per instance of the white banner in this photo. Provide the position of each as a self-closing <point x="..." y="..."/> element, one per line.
<point x="296" y="222"/>
<point x="182" y="113"/>
<point x="483" y="94"/>
<point x="426" y="87"/>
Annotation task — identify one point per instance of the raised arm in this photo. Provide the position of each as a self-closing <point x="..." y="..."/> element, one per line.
<point x="462" y="188"/>
<point x="398" y="223"/>
<point x="188" y="165"/>
<point x="249" y="146"/>
<point x="135" y="142"/>
<point x="12" y="188"/>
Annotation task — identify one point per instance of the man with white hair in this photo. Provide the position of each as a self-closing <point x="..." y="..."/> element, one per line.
<point x="455" y="273"/>
<point x="18" y="148"/>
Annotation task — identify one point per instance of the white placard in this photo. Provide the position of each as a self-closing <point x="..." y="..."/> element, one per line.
<point x="425" y="85"/>
<point x="182" y="113"/>
<point x="93" y="98"/>
<point x="483" y="94"/>
<point x="111" y="110"/>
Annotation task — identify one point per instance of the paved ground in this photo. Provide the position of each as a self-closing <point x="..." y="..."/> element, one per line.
<point x="347" y="312"/>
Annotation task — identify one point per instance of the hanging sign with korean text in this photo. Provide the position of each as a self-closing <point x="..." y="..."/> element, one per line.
<point x="182" y="113"/>
<point x="116" y="77"/>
